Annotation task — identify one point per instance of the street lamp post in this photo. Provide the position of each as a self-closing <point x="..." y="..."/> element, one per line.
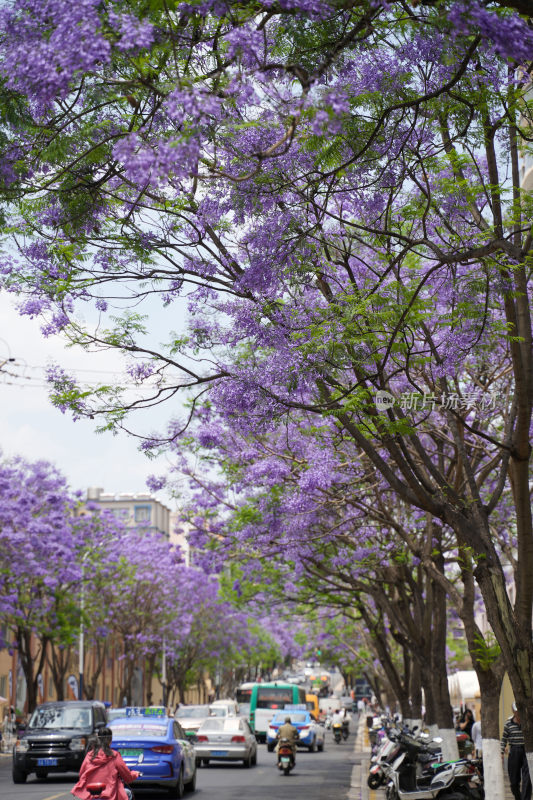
<point x="164" y="673"/>
<point x="82" y="609"/>
<point x="218" y="681"/>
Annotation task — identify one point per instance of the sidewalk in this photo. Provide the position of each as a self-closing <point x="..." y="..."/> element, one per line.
<point x="6" y="745"/>
<point x="358" y="785"/>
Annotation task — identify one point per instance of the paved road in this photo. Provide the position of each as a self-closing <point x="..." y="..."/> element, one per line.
<point x="317" y="776"/>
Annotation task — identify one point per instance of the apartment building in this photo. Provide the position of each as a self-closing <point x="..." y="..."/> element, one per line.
<point x="140" y="510"/>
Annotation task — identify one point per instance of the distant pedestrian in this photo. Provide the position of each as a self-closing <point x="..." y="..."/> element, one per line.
<point x="360" y="706"/>
<point x="477" y="739"/>
<point x="466" y="722"/>
<point x="517" y="763"/>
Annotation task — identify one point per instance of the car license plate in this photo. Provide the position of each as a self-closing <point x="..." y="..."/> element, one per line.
<point x="47" y="762"/>
<point x="130" y="753"/>
<point x="216" y="753"/>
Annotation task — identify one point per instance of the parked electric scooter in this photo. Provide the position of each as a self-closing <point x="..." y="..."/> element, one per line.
<point x="387" y="753"/>
<point x="416" y="775"/>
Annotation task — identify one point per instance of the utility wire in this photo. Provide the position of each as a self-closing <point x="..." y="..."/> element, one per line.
<point x="9" y="376"/>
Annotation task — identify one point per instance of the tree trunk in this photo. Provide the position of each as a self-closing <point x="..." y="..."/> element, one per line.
<point x="490" y="711"/>
<point x="437" y="607"/>
<point x="150" y="670"/>
<point x="58" y="661"/>
<point x="125" y="684"/>
<point x="90" y="681"/>
<point x="381" y="646"/>
<point x="415" y="695"/>
<point x="514" y="641"/>
<point x="489" y="666"/>
<point x="32" y="665"/>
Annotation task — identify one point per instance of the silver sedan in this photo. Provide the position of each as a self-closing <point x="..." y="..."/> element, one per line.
<point x="226" y="739"/>
<point x="191" y="717"/>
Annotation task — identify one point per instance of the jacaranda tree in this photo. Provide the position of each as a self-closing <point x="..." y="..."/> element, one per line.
<point x="62" y="564"/>
<point x="332" y="532"/>
<point x="336" y="190"/>
<point x="37" y="568"/>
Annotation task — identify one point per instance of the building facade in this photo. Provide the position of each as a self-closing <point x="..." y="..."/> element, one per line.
<point x="140" y="511"/>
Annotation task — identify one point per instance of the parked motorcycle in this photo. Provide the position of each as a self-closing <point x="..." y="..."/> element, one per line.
<point x="387" y="753"/>
<point x="416" y="775"/>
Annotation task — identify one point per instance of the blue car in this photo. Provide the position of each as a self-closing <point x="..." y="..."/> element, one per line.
<point x="156" y="746"/>
<point x="312" y="735"/>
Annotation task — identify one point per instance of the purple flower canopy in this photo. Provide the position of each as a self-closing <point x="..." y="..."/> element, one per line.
<point x="136" y="585"/>
<point x="334" y="194"/>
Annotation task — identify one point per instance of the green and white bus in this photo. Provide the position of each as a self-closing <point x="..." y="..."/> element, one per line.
<point x="269" y="698"/>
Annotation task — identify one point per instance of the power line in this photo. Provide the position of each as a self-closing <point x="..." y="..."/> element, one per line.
<point x="8" y="377"/>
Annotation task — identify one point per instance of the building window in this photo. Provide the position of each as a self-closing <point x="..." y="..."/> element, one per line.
<point x="121" y="513"/>
<point x="143" y="513"/>
<point x="3" y="686"/>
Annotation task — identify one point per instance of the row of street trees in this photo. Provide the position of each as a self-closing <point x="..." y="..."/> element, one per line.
<point x="335" y="190"/>
<point x="138" y="596"/>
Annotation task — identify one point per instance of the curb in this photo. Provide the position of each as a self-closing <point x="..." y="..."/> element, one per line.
<point x="358" y="786"/>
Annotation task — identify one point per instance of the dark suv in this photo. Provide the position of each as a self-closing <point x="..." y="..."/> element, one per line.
<point x="55" y="739"/>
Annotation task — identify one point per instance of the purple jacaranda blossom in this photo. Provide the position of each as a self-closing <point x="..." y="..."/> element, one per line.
<point x="155" y="482"/>
<point x="145" y="166"/>
<point x="510" y="34"/>
<point x="44" y="65"/>
<point x="186" y="104"/>
<point x="134" y="33"/>
<point x="347" y="225"/>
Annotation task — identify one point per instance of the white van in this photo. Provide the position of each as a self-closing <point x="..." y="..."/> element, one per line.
<point x="224" y="708"/>
<point x="326" y="704"/>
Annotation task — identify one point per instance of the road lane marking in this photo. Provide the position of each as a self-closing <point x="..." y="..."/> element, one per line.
<point x="55" y="796"/>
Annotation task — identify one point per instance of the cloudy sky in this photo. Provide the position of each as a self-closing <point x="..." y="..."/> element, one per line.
<point x="32" y="427"/>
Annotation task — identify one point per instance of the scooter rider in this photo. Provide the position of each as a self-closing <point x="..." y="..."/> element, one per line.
<point x="341" y="716"/>
<point x="289" y="732"/>
<point x="103" y="765"/>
